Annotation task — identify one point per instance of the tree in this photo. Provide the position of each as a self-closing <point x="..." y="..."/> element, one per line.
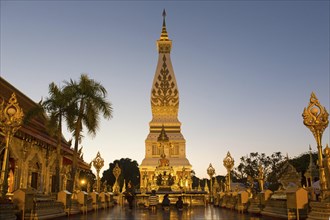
<point x="274" y="172"/>
<point x="301" y="163"/>
<point x="249" y="164"/>
<point x="89" y="100"/>
<point x="129" y="172"/>
<point x="57" y="107"/>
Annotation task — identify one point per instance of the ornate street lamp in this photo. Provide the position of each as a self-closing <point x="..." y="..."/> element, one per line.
<point x="116" y="172"/>
<point x="211" y="172"/>
<point x="11" y="117"/>
<point x="98" y="163"/>
<point x="228" y="163"/>
<point x="316" y="119"/>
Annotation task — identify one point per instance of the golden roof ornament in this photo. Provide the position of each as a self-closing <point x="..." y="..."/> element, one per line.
<point x="11" y="115"/>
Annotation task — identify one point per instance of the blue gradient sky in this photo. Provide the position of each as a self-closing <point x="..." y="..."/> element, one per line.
<point x="245" y="69"/>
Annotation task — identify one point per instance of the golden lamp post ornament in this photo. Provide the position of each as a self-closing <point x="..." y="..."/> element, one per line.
<point x="98" y="163"/>
<point x="228" y="163"/>
<point x="11" y="117"/>
<point x="316" y="119"/>
<point x="116" y="172"/>
<point x="211" y="172"/>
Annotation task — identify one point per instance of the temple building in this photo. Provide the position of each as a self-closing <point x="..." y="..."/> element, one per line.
<point x="32" y="151"/>
<point x="165" y="146"/>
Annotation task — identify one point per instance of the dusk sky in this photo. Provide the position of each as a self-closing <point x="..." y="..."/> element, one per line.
<point x="245" y="69"/>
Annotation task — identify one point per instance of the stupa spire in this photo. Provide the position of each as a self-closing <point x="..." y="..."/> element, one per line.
<point x="164" y="44"/>
<point x="164" y="15"/>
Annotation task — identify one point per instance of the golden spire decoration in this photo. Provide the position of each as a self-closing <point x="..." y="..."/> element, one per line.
<point x="164" y="44"/>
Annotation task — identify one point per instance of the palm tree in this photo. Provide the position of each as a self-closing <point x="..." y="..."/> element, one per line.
<point x="57" y="106"/>
<point x="89" y="99"/>
<point x="53" y="109"/>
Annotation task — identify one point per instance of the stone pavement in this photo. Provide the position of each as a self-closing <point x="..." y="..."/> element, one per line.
<point x="195" y="213"/>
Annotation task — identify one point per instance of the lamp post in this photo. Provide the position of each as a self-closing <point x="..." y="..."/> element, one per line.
<point x="11" y="117"/>
<point x="211" y="172"/>
<point x="316" y="119"/>
<point x="82" y="184"/>
<point x="98" y="163"/>
<point x="228" y="163"/>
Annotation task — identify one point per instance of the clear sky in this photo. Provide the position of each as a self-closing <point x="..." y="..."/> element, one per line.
<point x="245" y="69"/>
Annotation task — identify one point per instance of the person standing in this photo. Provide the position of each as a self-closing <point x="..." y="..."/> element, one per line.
<point x="166" y="202"/>
<point x="130" y="194"/>
<point x="179" y="203"/>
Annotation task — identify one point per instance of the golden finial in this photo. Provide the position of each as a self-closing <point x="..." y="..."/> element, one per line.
<point x="164" y="44"/>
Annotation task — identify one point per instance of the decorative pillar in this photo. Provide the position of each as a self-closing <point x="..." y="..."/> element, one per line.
<point x="211" y="172"/>
<point x="11" y="117"/>
<point x="261" y="177"/>
<point x="98" y="163"/>
<point x="316" y="119"/>
<point x="228" y="163"/>
<point x="116" y="172"/>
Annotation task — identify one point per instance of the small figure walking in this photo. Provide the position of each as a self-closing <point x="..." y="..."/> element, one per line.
<point x="130" y="194"/>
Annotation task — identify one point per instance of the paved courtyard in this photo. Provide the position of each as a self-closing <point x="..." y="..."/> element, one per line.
<point x="208" y="213"/>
